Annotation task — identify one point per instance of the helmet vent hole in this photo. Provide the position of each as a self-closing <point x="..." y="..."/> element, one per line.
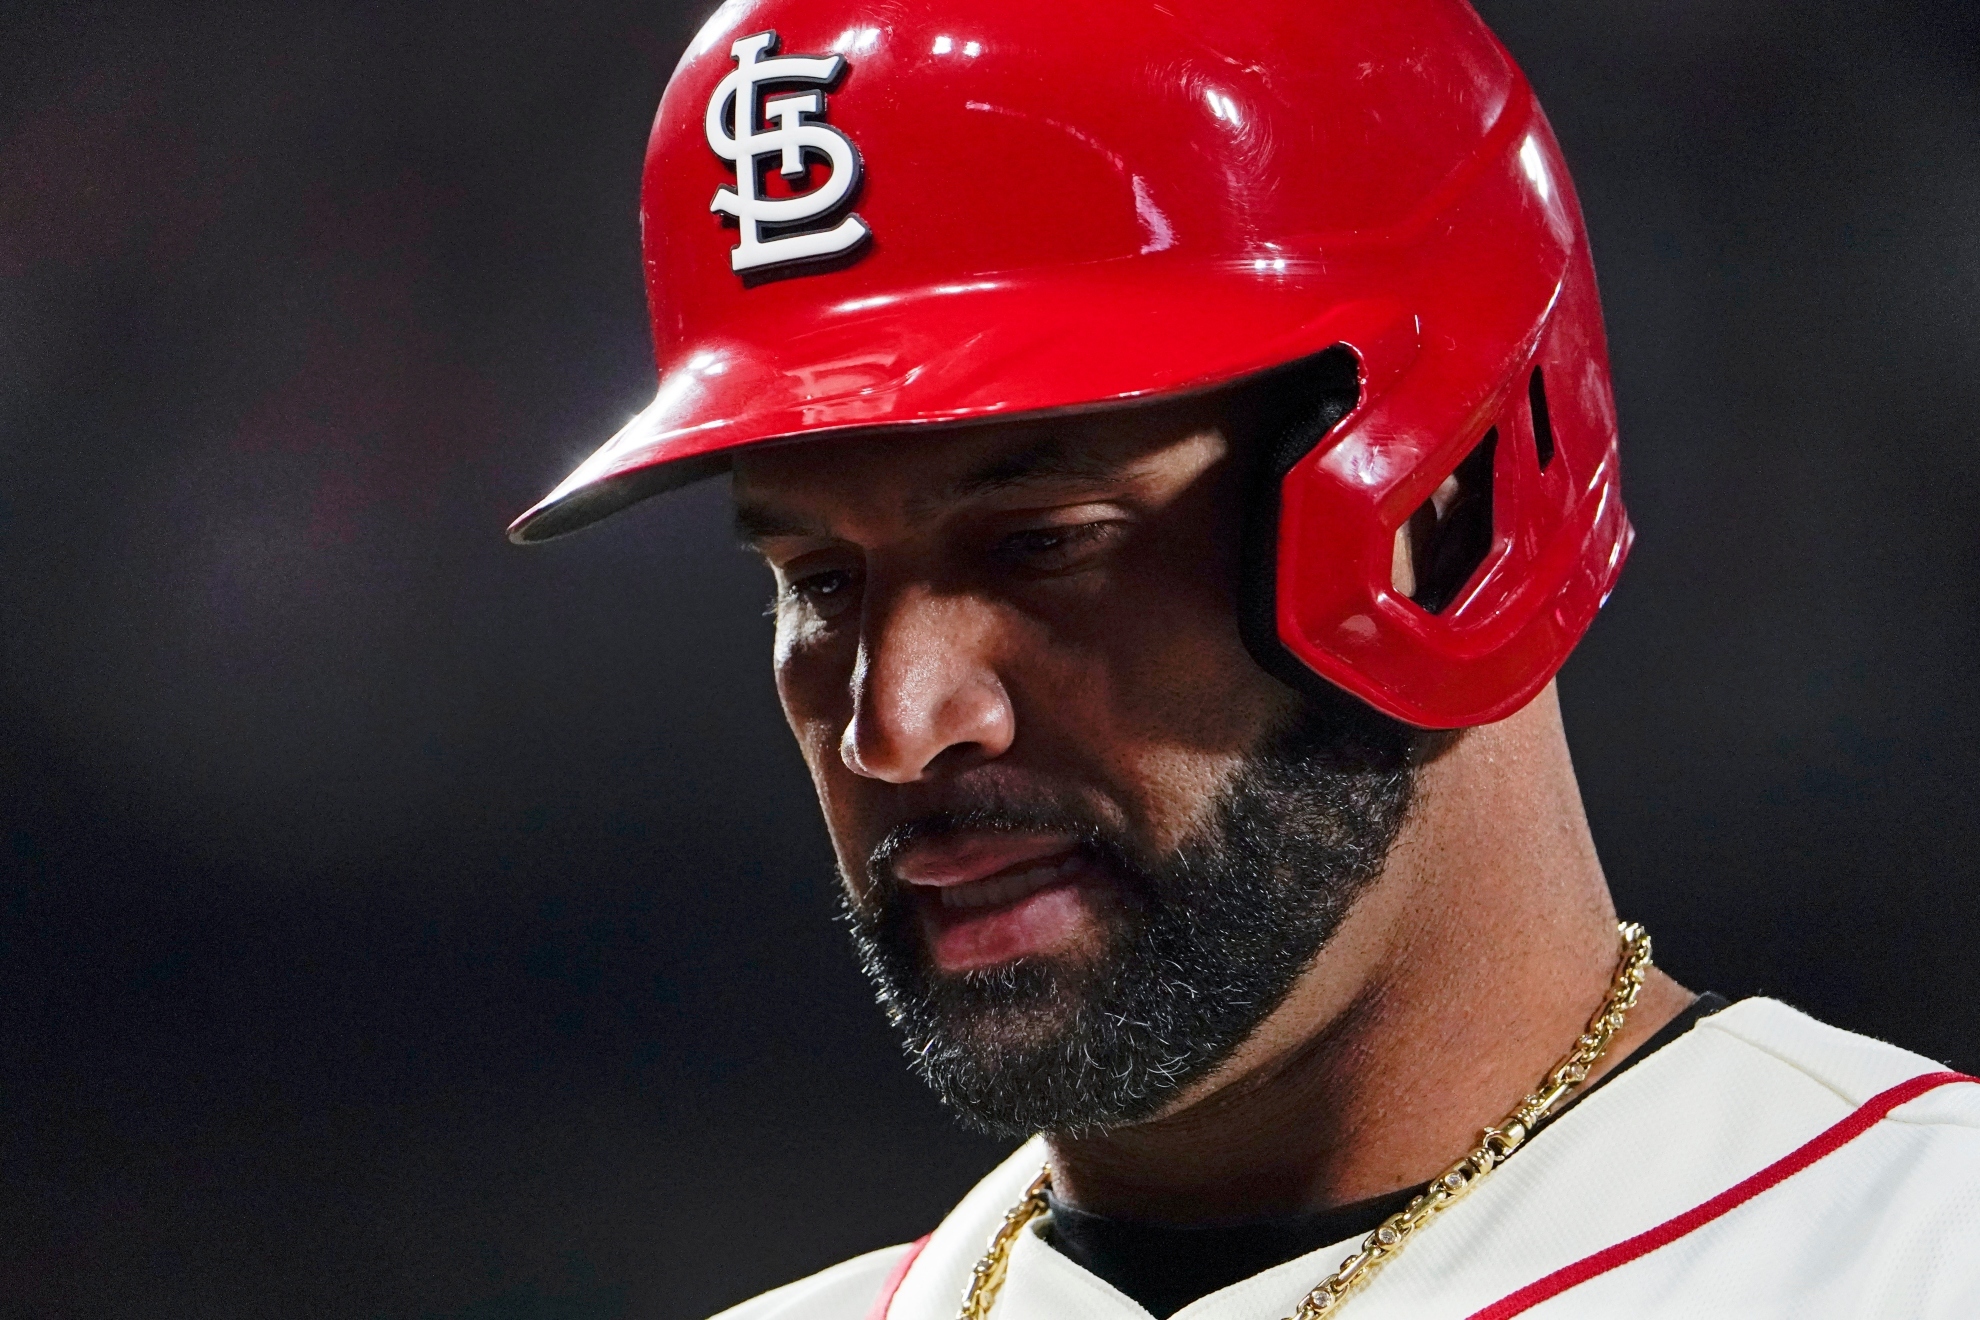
<point x="1543" y="426"/>
<point x="1448" y="537"/>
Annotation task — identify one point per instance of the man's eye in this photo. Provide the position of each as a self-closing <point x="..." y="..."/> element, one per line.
<point x="1048" y="548"/>
<point x="826" y="592"/>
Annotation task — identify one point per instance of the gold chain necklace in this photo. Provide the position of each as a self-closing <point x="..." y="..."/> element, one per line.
<point x="1495" y="1145"/>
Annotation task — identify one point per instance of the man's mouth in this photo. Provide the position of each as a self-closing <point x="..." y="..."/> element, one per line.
<point x="1008" y="886"/>
<point x="988" y="899"/>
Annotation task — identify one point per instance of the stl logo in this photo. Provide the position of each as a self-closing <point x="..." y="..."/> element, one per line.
<point x="782" y="231"/>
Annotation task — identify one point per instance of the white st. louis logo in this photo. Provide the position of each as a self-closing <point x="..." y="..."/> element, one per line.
<point x="772" y="227"/>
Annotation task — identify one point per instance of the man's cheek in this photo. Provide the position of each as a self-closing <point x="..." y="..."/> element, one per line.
<point x="846" y="824"/>
<point x="817" y="741"/>
<point x="1169" y="790"/>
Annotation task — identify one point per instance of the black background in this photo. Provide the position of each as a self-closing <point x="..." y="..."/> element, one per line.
<point x="394" y="923"/>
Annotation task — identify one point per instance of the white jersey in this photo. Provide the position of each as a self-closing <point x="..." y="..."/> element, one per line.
<point x="1761" y="1165"/>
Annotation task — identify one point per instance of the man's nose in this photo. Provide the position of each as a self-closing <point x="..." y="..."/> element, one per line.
<point x="925" y="688"/>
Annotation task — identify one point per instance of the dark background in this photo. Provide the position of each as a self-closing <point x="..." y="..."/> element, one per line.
<point x="397" y="924"/>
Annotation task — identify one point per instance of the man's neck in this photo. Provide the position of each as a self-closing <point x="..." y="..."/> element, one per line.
<point x="1464" y="973"/>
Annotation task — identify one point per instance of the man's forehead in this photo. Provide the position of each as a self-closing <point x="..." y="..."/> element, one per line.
<point x="790" y="489"/>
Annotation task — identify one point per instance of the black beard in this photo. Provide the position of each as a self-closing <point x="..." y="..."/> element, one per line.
<point x="1205" y="942"/>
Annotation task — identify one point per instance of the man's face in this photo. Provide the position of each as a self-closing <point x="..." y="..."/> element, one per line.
<point x="1086" y="843"/>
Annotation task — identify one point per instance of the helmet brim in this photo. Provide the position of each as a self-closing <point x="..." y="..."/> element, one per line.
<point x="1112" y="334"/>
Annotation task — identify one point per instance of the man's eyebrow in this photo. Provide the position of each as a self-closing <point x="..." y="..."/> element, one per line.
<point x="1051" y="459"/>
<point x="755" y="523"/>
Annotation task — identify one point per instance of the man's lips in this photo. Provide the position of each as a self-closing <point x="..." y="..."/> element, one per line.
<point x="974" y="857"/>
<point x="991" y="898"/>
<point x="1009" y="886"/>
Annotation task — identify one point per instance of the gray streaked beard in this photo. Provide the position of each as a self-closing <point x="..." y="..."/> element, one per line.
<point x="1205" y="941"/>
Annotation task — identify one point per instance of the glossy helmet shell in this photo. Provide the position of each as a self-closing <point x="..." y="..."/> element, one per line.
<point x="1074" y="206"/>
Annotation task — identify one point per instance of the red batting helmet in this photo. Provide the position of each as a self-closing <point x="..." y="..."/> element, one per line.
<point x="862" y="216"/>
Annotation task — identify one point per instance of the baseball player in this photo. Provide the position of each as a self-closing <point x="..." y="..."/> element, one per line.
<point x="1180" y="433"/>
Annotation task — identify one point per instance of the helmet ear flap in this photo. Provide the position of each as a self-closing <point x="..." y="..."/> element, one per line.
<point x="1296" y="406"/>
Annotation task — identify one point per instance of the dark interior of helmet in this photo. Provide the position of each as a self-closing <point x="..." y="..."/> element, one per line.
<point x="1448" y="536"/>
<point x="1543" y="425"/>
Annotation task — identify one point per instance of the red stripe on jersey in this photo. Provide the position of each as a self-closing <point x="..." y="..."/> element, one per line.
<point x="893" y="1283"/>
<point x="1622" y="1253"/>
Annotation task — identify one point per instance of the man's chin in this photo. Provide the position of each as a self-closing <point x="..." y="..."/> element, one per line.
<point x="1005" y="1042"/>
<point x="1026" y="1001"/>
<point x="1031" y="1046"/>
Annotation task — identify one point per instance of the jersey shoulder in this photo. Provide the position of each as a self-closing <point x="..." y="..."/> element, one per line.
<point x="1854" y="1067"/>
<point x="846" y="1291"/>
